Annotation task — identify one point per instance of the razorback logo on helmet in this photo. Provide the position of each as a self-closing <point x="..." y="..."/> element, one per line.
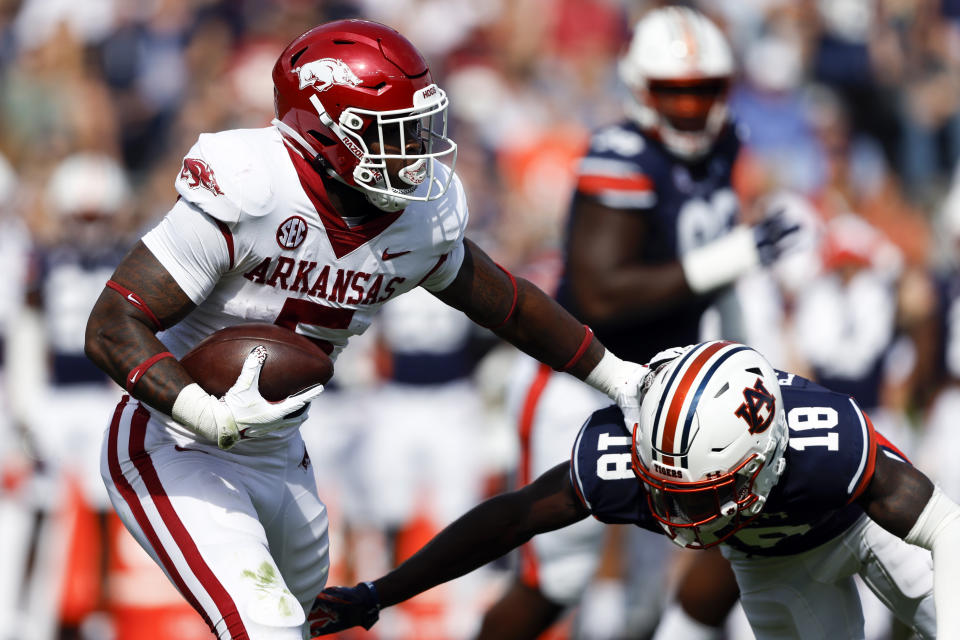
<point x="292" y="232"/>
<point x="198" y="174"/>
<point x="759" y="407"/>
<point x="324" y="73"/>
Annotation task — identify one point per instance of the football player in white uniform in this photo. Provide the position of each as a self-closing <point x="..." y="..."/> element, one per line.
<point x="312" y="224"/>
<point x="787" y="478"/>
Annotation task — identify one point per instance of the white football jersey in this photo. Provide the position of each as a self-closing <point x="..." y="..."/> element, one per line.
<point x="252" y="239"/>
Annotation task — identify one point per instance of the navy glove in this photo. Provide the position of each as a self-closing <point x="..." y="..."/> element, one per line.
<point x="772" y="235"/>
<point x="339" y="608"/>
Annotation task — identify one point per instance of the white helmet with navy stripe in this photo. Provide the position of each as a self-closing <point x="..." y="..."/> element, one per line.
<point x="678" y="67"/>
<point x="709" y="446"/>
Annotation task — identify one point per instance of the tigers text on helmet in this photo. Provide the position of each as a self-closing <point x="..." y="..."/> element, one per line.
<point x="356" y="96"/>
<point x="709" y="446"/>
<point x="678" y="68"/>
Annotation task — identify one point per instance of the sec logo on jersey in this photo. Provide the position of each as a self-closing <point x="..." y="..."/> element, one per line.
<point x="292" y="232"/>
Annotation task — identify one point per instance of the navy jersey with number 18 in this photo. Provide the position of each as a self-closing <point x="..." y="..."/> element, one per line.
<point x="829" y="462"/>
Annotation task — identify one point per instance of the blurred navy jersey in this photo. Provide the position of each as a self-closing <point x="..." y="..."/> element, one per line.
<point x="684" y="206"/>
<point x="830" y="461"/>
<point x="948" y="320"/>
<point x="65" y="283"/>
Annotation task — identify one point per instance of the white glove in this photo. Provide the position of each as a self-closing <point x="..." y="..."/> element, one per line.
<point x="666" y="356"/>
<point x="242" y="412"/>
<point x="624" y="382"/>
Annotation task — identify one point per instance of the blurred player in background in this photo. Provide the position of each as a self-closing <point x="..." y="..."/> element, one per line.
<point x="786" y="477"/>
<point x="311" y="223"/>
<point x="426" y="354"/>
<point x="82" y="567"/>
<point x="85" y="198"/>
<point x="940" y="433"/>
<point x="654" y="238"/>
<point x="16" y="512"/>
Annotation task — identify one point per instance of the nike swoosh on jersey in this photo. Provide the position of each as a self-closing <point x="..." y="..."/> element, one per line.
<point x="390" y="256"/>
<point x="179" y="448"/>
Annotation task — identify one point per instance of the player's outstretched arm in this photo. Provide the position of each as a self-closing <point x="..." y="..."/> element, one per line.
<point x="484" y="533"/>
<point x="522" y="314"/>
<point x="519" y="312"/>
<point x="903" y="501"/>
<point x="120" y="330"/>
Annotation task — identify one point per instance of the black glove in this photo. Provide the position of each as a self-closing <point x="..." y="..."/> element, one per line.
<point x="772" y="235"/>
<point x="339" y="608"/>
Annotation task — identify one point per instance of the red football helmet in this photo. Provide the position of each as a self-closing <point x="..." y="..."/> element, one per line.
<point x="353" y="95"/>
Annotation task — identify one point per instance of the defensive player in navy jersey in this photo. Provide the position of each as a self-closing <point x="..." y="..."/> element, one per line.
<point x="653" y="240"/>
<point x="787" y="477"/>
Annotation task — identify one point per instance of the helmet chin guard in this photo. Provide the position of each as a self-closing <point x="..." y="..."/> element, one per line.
<point x="710" y="442"/>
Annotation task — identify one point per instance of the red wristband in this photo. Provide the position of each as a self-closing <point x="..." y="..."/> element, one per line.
<point x="513" y="304"/>
<point x="587" y="339"/>
<point x="137" y="372"/>
<point x="136" y="301"/>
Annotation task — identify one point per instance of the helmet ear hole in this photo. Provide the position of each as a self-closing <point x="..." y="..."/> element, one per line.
<point x="325" y="141"/>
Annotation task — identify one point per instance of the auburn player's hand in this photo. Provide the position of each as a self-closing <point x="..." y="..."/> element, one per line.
<point x="339" y="608"/>
<point x="773" y="235"/>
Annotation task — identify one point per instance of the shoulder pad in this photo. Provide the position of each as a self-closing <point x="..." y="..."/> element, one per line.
<point x="225" y="176"/>
<point x="448" y="214"/>
<point x="617" y="140"/>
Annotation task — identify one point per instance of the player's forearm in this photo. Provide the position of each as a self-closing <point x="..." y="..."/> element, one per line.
<point x="118" y="343"/>
<point x="484" y="533"/>
<point x="543" y="329"/>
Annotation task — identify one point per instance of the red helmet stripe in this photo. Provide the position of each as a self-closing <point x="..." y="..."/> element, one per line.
<point x="680" y="392"/>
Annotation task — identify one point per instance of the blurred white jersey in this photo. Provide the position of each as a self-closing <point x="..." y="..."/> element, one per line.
<point x="254" y="238"/>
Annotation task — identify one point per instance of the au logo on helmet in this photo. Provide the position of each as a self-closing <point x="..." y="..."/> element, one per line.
<point x="758" y="408"/>
<point x="324" y="73"/>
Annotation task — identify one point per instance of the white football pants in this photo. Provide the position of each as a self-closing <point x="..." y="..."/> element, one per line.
<point x="243" y="537"/>
<point x="813" y="596"/>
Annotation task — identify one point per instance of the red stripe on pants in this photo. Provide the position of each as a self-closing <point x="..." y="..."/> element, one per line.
<point x="144" y="465"/>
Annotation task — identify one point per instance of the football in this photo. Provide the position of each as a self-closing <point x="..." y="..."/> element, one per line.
<point x="293" y="361"/>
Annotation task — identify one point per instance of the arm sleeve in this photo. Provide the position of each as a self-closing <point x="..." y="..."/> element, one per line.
<point x="452" y="216"/>
<point x="191" y="248"/>
<point x="447" y="269"/>
<point x="938" y="529"/>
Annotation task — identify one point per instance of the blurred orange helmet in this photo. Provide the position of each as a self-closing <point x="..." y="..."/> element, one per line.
<point x="678" y="67"/>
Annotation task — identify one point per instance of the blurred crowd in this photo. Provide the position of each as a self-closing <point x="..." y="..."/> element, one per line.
<point x="852" y="114"/>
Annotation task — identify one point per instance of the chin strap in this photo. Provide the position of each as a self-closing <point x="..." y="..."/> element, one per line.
<point x="383" y="201"/>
